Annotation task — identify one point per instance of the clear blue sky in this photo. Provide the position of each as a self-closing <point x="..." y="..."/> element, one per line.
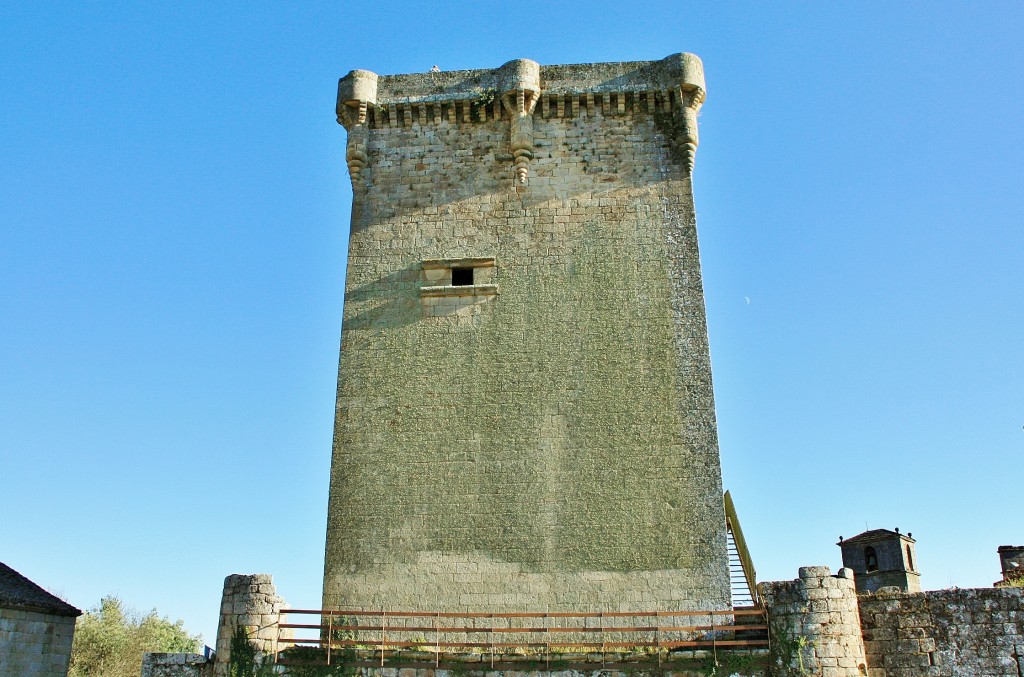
<point x="174" y="210"/>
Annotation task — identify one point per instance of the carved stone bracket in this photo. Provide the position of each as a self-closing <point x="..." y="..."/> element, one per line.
<point x="357" y="91"/>
<point x="520" y="91"/>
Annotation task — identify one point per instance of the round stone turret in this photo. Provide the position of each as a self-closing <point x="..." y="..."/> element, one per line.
<point x="249" y="610"/>
<point x="356" y="91"/>
<point x="692" y="71"/>
<point x="815" y="624"/>
<point x="358" y="85"/>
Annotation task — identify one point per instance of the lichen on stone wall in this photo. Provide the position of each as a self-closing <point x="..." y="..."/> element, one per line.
<point x="944" y="633"/>
<point x="551" y="444"/>
<point x="35" y="644"/>
<point x="815" y="625"/>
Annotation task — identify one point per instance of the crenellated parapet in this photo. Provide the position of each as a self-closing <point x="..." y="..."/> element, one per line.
<point x="671" y="90"/>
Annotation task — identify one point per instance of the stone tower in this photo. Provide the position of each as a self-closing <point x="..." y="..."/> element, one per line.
<point x="525" y="418"/>
<point x="881" y="558"/>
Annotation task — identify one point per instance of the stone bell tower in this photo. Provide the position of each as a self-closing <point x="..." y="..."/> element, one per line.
<point x="525" y="418"/>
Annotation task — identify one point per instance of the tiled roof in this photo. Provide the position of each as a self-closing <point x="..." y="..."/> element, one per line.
<point x="873" y="535"/>
<point x="17" y="592"/>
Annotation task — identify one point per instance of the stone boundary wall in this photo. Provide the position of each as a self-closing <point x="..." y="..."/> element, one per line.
<point x="944" y="633"/>
<point x="172" y="666"/>
<point x="597" y="672"/>
<point x="819" y="627"/>
<point x="35" y="644"/>
<point x="815" y="624"/>
<point x="176" y="665"/>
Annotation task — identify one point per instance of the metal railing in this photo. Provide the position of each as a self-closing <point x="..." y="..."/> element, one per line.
<point x="416" y="638"/>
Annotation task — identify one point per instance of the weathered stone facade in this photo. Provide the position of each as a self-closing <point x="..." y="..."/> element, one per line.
<point x="249" y="607"/>
<point x="176" y="665"/>
<point x="36" y="628"/>
<point x="815" y="624"/>
<point x="944" y="633"/>
<point x="1011" y="563"/>
<point x="881" y="558"/>
<point x="525" y="416"/>
<point x="703" y="668"/>
<point x="819" y="627"/>
<point x="35" y="644"/>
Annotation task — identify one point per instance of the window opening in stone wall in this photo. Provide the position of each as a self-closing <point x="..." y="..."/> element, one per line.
<point x="871" y="559"/>
<point x="471" y="277"/>
<point x="910" y="559"/>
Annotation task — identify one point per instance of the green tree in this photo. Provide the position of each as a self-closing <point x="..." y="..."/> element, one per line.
<point x="110" y="639"/>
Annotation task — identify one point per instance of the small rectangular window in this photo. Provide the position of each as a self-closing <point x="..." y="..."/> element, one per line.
<point x="462" y="277"/>
<point x="471" y="277"/>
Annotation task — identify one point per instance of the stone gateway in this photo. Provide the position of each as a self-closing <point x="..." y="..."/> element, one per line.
<point x="525" y="418"/>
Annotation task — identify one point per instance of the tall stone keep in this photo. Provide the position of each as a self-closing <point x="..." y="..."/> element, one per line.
<point x="525" y="418"/>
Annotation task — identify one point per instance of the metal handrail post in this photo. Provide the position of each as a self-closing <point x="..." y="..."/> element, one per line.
<point x="277" y="644"/>
<point x="714" y="639"/>
<point x="547" y="642"/>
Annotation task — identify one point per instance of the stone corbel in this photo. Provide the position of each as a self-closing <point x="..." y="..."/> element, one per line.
<point x="357" y="91"/>
<point x="520" y="91"/>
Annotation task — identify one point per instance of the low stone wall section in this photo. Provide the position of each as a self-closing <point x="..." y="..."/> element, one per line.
<point x="176" y="665"/>
<point x="35" y="644"/>
<point x="597" y="672"/>
<point x="944" y="633"/>
<point x="819" y="627"/>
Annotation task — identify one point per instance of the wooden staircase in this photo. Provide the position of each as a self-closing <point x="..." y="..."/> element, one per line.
<point x="742" y="577"/>
<point x="742" y="595"/>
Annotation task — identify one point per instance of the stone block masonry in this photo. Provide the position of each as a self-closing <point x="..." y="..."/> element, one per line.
<point x="250" y="602"/>
<point x="250" y="611"/>
<point x="249" y="607"/>
<point x="944" y="633"/>
<point x="815" y="624"/>
<point x="819" y="627"/>
<point x="35" y="644"/>
<point x="36" y="628"/>
<point x="666" y="671"/>
<point x="525" y="418"/>
<point x="175" y="665"/>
